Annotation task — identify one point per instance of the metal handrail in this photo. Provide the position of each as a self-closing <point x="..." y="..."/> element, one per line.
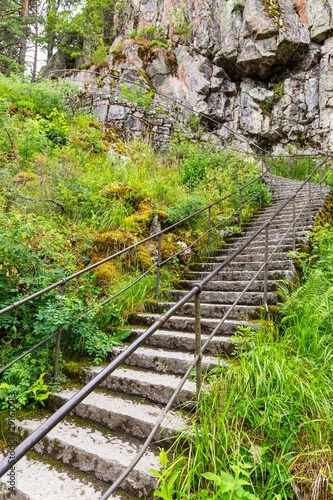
<point x="35" y="437"/>
<point x="61" y="283"/>
<point x="200" y="348"/>
<point x="50" y="423"/>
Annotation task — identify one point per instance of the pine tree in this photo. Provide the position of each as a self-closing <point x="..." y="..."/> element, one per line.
<point x="10" y="35"/>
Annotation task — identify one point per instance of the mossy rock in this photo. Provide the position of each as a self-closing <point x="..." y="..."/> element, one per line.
<point x="169" y="246"/>
<point x="107" y="273"/>
<point x="74" y="371"/>
<point x="26" y="178"/>
<point x="117" y="190"/>
<point x="141" y="220"/>
<point x="144" y="258"/>
<point x="111" y="242"/>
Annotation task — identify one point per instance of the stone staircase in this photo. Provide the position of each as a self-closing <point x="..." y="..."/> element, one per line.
<point x="88" y="451"/>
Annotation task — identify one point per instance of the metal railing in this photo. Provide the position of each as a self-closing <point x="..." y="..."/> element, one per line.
<point x="236" y="216"/>
<point x="195" y="293"/>
<point x="302" y="210"/>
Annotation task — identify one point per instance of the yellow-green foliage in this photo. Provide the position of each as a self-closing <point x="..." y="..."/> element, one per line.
<point x="116" y="190"/>
<point x="169" y="245"/>
<point x="107" y="273"/>
<point x="273" y="9"/>
<point x="144" y="258"/>
<point x="26" y="178"/>
<point x="112" y="242"/>
<point x="141" y="219"/>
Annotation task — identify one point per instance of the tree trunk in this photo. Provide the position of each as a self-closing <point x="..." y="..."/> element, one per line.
<point x="34" y="67"/>
<point x="23" y="38"/>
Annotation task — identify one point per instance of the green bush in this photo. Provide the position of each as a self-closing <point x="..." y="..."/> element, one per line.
<point x="185" y="207"/>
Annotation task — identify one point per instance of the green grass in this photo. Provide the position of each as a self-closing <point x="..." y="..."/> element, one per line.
<point x="270" y="412"/>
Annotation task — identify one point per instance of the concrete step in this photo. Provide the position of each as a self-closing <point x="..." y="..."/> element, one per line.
<point x="128" y="414"/>
<point x="244" y="312"/>
<point x="275" y="230"/>
<point x="252" y="249"/>
<point x="187" y="323"/>
<point x="240" y="275"/>
<point x="36" y="479"/>
<point x="284" y="215"/>
<point x="273" y="234"/>
<point x="229" y="286"/>
<point x="281" y="265"/>
<point x="151" y="385"/>
<point x="102" y="454"/>
<point x="175" y="362"/>
<point x="212" y="297"/>
<point x="185" y="341"/>
<point x="249" y="256"/>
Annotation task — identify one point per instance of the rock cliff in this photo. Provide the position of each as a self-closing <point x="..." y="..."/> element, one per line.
<point x="263" y="68"/>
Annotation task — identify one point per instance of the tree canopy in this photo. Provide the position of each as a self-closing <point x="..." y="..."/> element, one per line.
<point x="76" y="28"/>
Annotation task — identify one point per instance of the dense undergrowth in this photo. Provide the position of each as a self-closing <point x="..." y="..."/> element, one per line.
<point x="264" y="428"/>
<point x="72" y="193"/>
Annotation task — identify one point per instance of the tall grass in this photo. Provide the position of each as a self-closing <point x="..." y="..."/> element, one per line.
<point x="270" y="412"/>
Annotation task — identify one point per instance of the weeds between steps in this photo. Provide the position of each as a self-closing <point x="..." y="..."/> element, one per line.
<point x="264" y="429"/>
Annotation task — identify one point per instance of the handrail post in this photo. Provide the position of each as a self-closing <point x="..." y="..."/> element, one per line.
<point x="198" y="350"/>
<point x="310" y="193"/>
<point x="266" y="266"/>
<point x="58" y="340"/>
<point x="240" y="209"/>
<point x="260" y="193"/>
<point x="158" y="269"/>
<point x="310" y="201"/>
<point x="209" y="231"/>
<point x="294" y="223"/>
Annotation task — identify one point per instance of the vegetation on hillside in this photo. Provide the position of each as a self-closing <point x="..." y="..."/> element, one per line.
<point x="72" y="194"/>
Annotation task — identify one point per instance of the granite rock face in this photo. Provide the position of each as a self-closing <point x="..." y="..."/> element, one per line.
<point x="261" y="68"/>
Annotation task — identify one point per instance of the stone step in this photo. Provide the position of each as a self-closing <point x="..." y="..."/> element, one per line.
<point x="232" y="286"/>
<point x="36" y="479"/>
<point x="276" y="232"/>
<point x="245" y="312"/>
<point x="128" y="414"/>
<point x="285" y="214"/>
<point x="175" y="362"/>
<point x="187" y="324"/>
<point x="275" y="244"/>
<point x="102" y="454"/>
<point x="151" y="385"/>
<point x="275" y="229"/>
<point x="212" y="297"/>
<point x="185" y="341"/>
<point x="281" y="265"/>
<point x="239" y="275"/>
<point x="252" y="248"/>
<point x="250" y="257"/>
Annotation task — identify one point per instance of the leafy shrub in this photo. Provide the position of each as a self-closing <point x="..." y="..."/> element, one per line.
<point x="150" y="33"/>
<point x="183" y="208"/>
<point x="55" y="127"/>
<point x="136" y="94"/>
